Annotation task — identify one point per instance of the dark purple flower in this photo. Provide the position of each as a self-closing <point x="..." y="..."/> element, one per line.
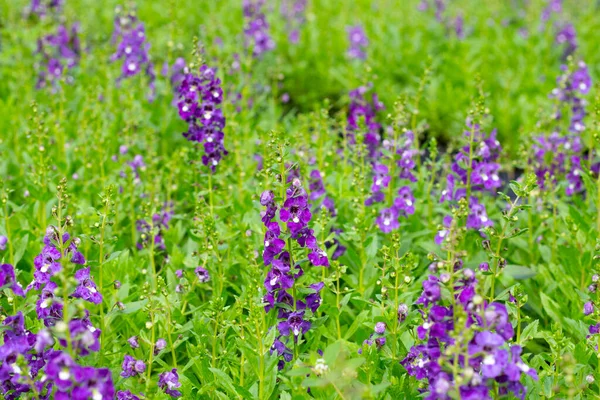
<point x="126" y="395"/>
<point x="200" y="98"/>
<point x="295" y="211"/>
<point x="8" y="279"/>
<point x="295" y="324"/>
<point x="431" y="291"/>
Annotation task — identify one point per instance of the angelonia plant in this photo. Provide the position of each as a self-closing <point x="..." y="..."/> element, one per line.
<point x="299" y="199"/>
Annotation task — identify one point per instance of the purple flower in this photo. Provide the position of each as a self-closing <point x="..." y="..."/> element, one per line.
<point x="318" y="257"/>
<point x="477" y="218"/>
<point x="59" y="52"/>
<point x="380" y="328"/>
<point x="402" y="312"/>
<point x="567" y="35"/>
<point x="48" y="308"/>
<point x="358" y="42"/>
<point x="588" y="308"/>
<point x="443" y="233"/>
<point x="86" y="289"/>
<point x="496" y="317"/>
<point x="295" y="211"/>
<point x="133" y="50"/>
<point x="46" y="265"/>
<point x="431" y="291"/>
<point x="282" y="350"/>
<point x="256" y="28"/>
<point x="8" y="278"/>
<point x="295" y="324"/>
<point x="126" y="395"/>
<point x="3" y="242"/>
<point x="159" y="346"/>
<point x="41" y="8"/>
<point x="169" y="382"/>
<point x="293" y="12"/>
<point x="405" y="200"/>
<point x="84" y="336"/>
<point x="364" y="109"/>
<point x="132" y="367"/>
<point x="202" y="274"/>
<point x="133" y="342"/>
<point x="77" y="382"/>
<point x="279" y="276"/>
<point x="388" y="220"/>
<point x="313" y="300"/>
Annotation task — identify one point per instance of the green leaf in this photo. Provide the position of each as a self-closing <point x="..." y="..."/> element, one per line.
<point x="519" y="272"/>
<point x="529" y="332"/>
<point x="224" y="381"/>
<point x="551" y="308"/>
<point x="134" y="306"/>
<point x="20" y="247"/>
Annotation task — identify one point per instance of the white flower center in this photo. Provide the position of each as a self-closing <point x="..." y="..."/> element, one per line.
<point x="489" y="360"/>
<point x="64" y="375"/>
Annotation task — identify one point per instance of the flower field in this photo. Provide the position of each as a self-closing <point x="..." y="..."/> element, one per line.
<point x="295" y="199"/>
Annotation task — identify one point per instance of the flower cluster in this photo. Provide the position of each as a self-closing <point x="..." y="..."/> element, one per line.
<point x="553" y="7"/>
<point x="376" y="337"/>
<point x="293" y="12"/>
<point x="48" y="262"/>
<point x="439" y="7"/>
<point x="160" y="223"/>
<point x="133" y="49"/>
<point x="404" y="202"/>
<point x="566" y="35"/>
<point x="358" y="42"/>
<point x="475" y="166"/>
<point x="30" y="363"/>
<point x="465" y="350"/>
<point x="200" y="98"/>
<point x="555" y="155"/>
<point x="60" y="52"/>
<point x="256" y="28"/>
<point x="283" y="274"/>
<point x="41" y="8"/>
<point x="362" y="108"/>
